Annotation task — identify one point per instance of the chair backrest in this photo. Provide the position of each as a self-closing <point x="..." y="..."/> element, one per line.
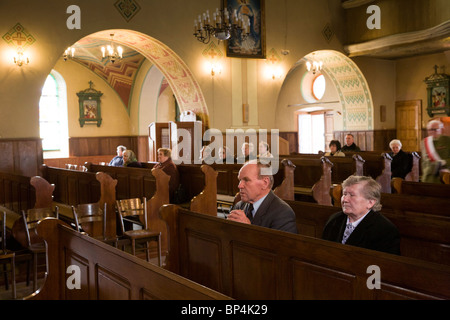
<point x="33" y="216"/>
<point x="3" y="232"/>
<point x="87" y="214"/>
<point x="132" y="207"/>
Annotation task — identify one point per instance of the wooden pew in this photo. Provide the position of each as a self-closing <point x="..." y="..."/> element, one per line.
<point x="206" y="201"/>
<point x="401" y="186"/>
<point x="131" y="182"/>
<point x="251" y="262"/>
<point x="16" y="192"/>
<point x="414" y="174"/>
<point x="379" y="168"/>
<point x="286" y="189"/>
<point x="424" y="237"/>
<point x="400" y="203"/>
<point x="79" y="162"/>
<point x="312" y="179"/>
<point x="107" y="273"/>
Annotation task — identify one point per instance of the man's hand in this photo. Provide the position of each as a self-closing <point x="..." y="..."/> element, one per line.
<point x="238" y="216"/>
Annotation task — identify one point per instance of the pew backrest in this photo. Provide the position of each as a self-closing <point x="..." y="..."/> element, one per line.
<point x="107" y="273"/>
<point x="251" y="262"/>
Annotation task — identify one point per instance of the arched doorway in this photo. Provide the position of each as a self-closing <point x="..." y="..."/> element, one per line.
<point x="347" y="96"/>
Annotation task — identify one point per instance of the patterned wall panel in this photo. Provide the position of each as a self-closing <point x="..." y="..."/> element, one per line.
<point x="352" y="87"/>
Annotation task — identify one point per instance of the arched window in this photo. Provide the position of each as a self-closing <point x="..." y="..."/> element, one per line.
<point x="53" y="117"/>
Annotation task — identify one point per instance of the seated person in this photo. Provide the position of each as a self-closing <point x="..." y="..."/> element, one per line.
<point x="335" y="149"/>
<point x="247" y="153"/>
<point x="350" y="144"/>
<point x="360" y="223"/>
<point x="401" y="163"/>
<point x="117" y="161"/>
<point x="259" y="205"/>
<point x="225" y="155"/>
<point x="168" y="166"/>
<point x="206" y="155"/>
<point x="264" y="150"/>
<point x="129" y="159"/>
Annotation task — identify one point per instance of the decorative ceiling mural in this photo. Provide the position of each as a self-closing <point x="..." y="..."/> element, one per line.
<point x="120" y="75"/>
<point x="138" y="47"/>
<point x="184" y="86"/>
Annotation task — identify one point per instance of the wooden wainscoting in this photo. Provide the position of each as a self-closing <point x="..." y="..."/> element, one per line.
<point x="100" y="146"/>
<point x="21" y="156"/>
<point x="369" y="140"/>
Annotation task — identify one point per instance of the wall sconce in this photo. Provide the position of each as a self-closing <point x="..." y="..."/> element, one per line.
<point x="214" y="68"/>
<point x="69" y="53"/>
<point x="20" y="59"/>
<point x="274" y="72"/>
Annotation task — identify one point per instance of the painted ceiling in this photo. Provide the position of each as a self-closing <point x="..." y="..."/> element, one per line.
<point x="120" y="75"/>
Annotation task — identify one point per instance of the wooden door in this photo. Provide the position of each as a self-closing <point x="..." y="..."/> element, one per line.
<point x="408" y="115"/>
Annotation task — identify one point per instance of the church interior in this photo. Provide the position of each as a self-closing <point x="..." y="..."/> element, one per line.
<point x="80" y="78"/>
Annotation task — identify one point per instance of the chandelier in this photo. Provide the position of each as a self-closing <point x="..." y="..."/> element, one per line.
<point x="20" y="59"/>
<point x="225" y="24"/>
<point x="315" y="66"/>
<point x="69" y="53"/>
<point x="110" y="51"/>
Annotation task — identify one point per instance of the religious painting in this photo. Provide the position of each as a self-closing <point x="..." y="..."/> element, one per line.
<point x="438" y="89"/>
<point x="438" y="97"/>
<point x="90" y="109"/>
<point x="89" y="101"/>
<point x="253" y="45"/>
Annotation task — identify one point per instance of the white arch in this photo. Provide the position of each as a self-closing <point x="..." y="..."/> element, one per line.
<point x="353" y="91"/>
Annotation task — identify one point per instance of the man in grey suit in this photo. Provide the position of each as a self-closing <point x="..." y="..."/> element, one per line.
<point x="259" y="205"/>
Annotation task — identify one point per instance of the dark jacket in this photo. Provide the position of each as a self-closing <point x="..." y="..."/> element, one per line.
<point x="401" y="164"/>
<point x="273" y="213"/>
<point x="374" y="232"/>
<point x="352" y="148"/>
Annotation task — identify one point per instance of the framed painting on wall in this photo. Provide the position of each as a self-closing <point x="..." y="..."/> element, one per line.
<point x="438" y="90"/>
<point x="90" y="109"/>
<point x="254" y="45"/>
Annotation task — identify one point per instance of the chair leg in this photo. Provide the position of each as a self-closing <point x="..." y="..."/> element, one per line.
<point x="28" y="272"/>
<point x="5" y="272"/>
<point x="34" y="272"/>
<point x="133" y="247"/>
<point x="147" y="251"/>
<point x="159" y="250"/>
<point x="13" y="278"/>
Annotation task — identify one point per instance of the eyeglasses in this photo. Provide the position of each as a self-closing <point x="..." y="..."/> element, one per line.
<point x="432" y="129"/>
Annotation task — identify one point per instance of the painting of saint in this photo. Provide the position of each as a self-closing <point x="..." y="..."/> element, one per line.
<point x="252" y="46"/>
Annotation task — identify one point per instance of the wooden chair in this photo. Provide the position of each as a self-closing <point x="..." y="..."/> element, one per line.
<point x="34" y="243"/>
<point x="91" y="219"/>
<point x="137" y="208"/>
<point x="7" y="257"/>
